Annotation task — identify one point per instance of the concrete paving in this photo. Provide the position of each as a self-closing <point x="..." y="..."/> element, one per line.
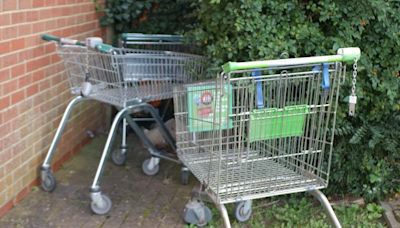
<point x="138" y="200"/>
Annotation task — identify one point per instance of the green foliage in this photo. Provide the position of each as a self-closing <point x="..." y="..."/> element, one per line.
<point x="302" y="210"/>
<point x="121" y="15"/>
<point x="147" y="16"/>
<point x="168" y="17"/>
<point x="366" y="158"/>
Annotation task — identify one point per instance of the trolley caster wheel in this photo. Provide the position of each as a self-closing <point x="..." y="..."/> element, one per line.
<point x="101" y="206"/>
<point x="149" y="168"/>
<point x="185" y="176"/>
<point x="48" y="182"/>
<point x="243" y="210"/>
<point x="197" y="213"/>
<point x="118" y="156"/>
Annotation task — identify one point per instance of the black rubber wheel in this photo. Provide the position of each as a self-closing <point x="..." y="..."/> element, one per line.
<point x="147" y="171"/>
<point x="240" y="214"/>
<point x="118" y="157"/>
<point x="104" y="209"/>
<point x="48" y="183"/>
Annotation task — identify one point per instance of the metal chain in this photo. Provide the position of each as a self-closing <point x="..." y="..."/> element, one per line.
<point x="354" y="81"/>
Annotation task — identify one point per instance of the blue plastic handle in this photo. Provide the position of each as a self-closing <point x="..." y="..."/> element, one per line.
<point x="325" y="84"/>
<point x="325" y="76"/>
<point x="259" y="90"/>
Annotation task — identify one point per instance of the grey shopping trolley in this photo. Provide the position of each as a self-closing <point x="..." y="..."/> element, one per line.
<point x="125" y="78"/>
<point x="263" y="128"/>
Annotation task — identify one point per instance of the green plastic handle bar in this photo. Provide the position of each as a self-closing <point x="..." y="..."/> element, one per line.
<point x="104" y="48"/>
<point x="101" y="47"/>
<point x="151" y="37"/>
<point x="49" y="37"/>
<point x="347" y="55"/>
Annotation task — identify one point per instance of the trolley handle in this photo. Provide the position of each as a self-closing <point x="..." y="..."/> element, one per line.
<point x="151" y="37"/>
<point x="348" y="55"/>
<point x="100" y="47"/>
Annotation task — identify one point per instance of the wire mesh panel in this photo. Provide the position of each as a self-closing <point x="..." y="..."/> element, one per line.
<point x="127" y="75"/>
<point x="162" y="42"/>
<point x="258" y="133"/>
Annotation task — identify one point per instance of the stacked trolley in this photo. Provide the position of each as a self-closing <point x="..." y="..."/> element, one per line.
<point x="125" y="78"/>
<point x="263" y="128"/>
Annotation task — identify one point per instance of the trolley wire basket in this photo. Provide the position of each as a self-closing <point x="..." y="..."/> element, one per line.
<point x="160" y="42"/>
<point x="124" y="76"/>
<point x="262" y="129"/>
<point x="127" y="78"/>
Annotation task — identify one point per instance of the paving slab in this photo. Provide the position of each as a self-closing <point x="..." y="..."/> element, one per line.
<point x="138" y="200"/>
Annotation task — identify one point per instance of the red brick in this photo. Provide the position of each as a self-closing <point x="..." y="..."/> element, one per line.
<point x="25" y="4"/>
<point x="5" y="19"/>
<point x="10" y="114"/>
<point x="24" y="81"/>
<point x="9" y="33"/>
<point x="43" y="85"/>
<point x="38" y="63"/>
<point x="24" y="192"/>
<point x="50" y="2"/>
<point x="38" y="3"/>
<point x="32" y="15"/>
<point x="17" y="97"/>
<point x="38" y="27"/>
<point x="9" y="5"/>
<point x="31" y="90"/>
<point x="4" y="47"/>
<point x="38" y="75"/>
<point x="24" y="30"/>
<point x="45" y="14"/>
<point x="10" y="60"/>
<point x="4" y="209"/>
<point x="4" y="102"/>
<point x="9" y="87"/>
<point x="18" y="17"/>
<point x="17" y="44"/>
<point x="4" y="75"/>
<point x="18" y="70"/>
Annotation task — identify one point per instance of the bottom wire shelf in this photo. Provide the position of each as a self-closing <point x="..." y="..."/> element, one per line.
<point x="244" y="175"/>
<point x="122" y="97"/>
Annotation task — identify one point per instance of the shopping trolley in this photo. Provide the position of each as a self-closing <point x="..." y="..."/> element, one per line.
<point x="263" y="128"/>
<point x="159" y="42"/>
<point x="127" y="79"/>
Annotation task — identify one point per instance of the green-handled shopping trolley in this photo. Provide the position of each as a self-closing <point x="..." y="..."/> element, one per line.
<point x="263" y="128"/>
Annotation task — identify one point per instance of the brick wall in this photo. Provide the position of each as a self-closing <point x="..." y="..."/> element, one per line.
<point x="34" y="90"/>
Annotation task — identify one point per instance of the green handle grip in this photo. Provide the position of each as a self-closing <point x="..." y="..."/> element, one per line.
<point x="104" y="48"/>
<point x="347" y="55"/>
<point x="61" y="40"/>
<point x="49" y="37"/>
<point x="101" y="47"/>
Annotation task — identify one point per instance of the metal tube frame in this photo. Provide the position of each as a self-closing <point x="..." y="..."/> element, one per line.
<point x="125" y="115"/>
<point x="327" y="206"/>
<point x="63" y="123"/>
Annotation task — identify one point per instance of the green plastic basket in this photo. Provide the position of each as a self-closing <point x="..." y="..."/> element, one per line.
<point x="271" y="123"/>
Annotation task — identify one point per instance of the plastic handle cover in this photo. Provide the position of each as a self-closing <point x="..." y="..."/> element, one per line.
<point x="104" y="48"/>
<point x="259" y="90"/>
<point x="49" y="37"/>
<point x="325" y="76"/>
